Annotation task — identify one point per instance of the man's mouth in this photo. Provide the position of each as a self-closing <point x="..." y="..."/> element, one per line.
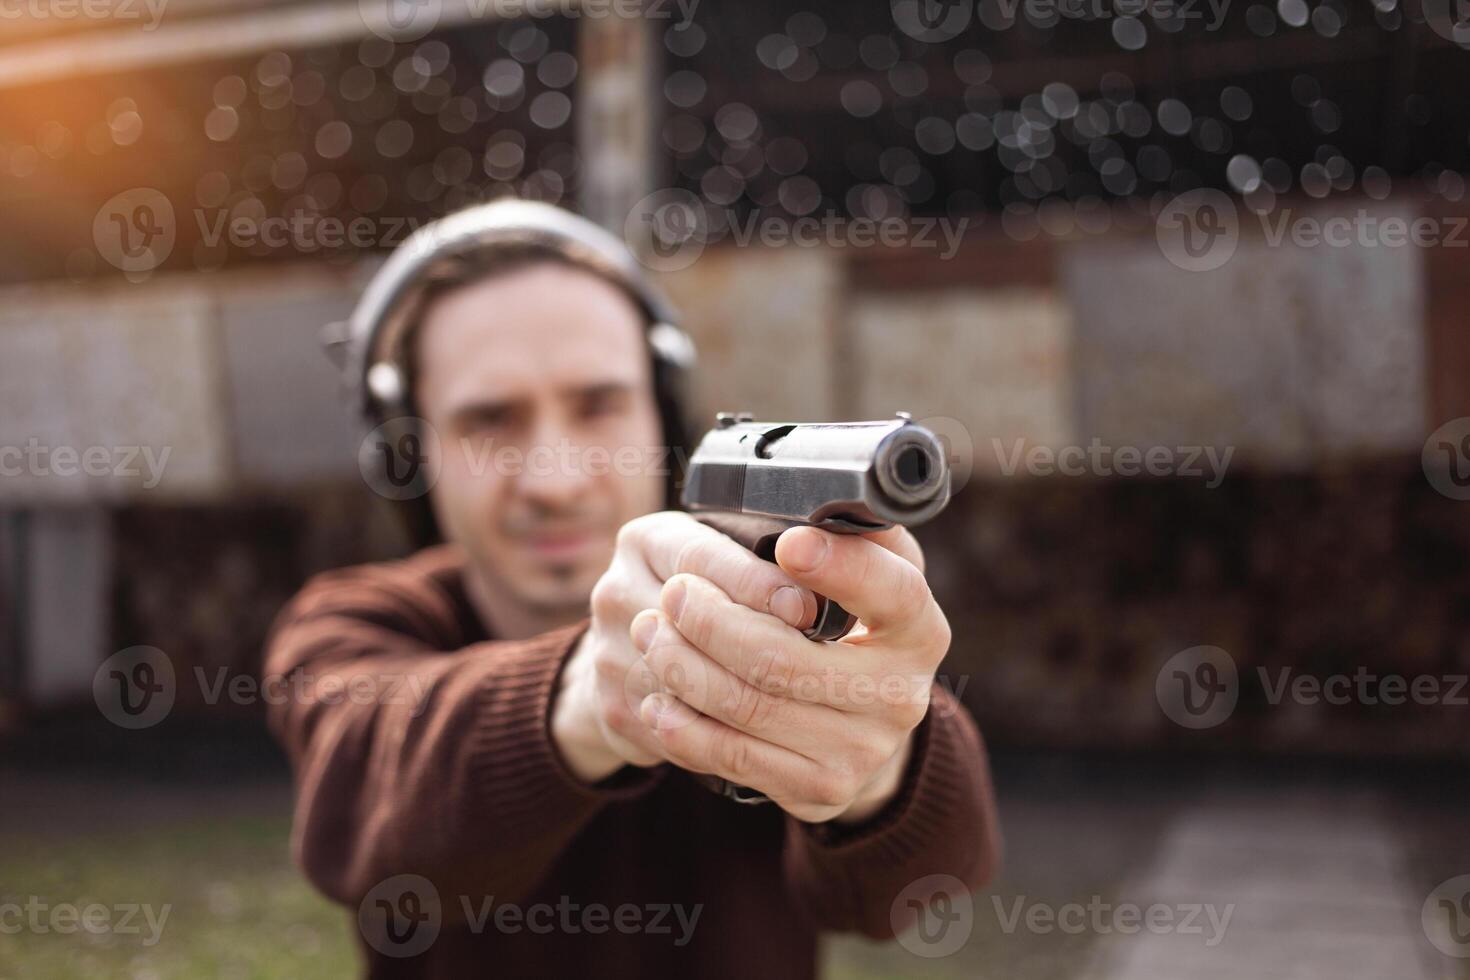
<point x="558" y="545"/>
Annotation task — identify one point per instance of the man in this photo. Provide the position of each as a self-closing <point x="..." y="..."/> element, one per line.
<point x="496" y="740"/>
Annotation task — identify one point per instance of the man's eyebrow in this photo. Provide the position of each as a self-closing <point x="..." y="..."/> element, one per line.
<point x="482" y="407"/>
<point x="599" y="389"/>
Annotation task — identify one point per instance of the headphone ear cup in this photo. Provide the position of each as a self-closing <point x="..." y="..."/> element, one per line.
<point x="671" y="344"/>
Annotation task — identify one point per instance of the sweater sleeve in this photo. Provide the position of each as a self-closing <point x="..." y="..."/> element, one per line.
<point x="414" y="758"/>
<point x="941" y="822"/>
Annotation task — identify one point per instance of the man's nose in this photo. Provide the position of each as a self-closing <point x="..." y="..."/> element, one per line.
<point x="554" y="474"/>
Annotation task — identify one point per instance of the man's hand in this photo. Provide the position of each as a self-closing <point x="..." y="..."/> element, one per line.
<point x="595" y="719"/>
<point x="728" y="685"/>
<point x="824" y="729"/>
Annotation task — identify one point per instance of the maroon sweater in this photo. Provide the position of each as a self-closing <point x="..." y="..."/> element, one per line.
<point x="421" y="747"/>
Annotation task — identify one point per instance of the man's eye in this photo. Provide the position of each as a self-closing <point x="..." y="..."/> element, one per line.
<point x="490" y="420"/>
<point x="603" y="404"/>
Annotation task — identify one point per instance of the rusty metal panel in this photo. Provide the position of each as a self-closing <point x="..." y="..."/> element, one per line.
<point x="111" y="393"/>
<point x="763" y="320"/>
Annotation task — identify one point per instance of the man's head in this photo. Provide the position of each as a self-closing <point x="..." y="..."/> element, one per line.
<point x="537" y="377"/>
<point x="549" y="369"/>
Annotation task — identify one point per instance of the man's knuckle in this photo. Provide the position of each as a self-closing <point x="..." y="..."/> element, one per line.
<point x="634" y="533"/>
<point x="618" y="716"/>
<point x="609" y="668"/>
<point x="692" y="555"/>
<point x="942" y="636"/>
<point x="910" y="590"/>
<point x="870" y="753"/>
<point x="774" y="672"/>
<point x="752" y="709"/>
<point x="755" y="581"/>
<point x="608" y="596"/>
<point x="831" y="787"/>
<point x="913" y="710"/>
<point x="732" y="754"/>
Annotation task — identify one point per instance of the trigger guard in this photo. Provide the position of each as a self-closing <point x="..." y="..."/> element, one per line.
<point x="832" y="622"/>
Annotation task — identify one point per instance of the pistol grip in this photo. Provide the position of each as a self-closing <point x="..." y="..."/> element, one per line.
<point x="759" y="534"/>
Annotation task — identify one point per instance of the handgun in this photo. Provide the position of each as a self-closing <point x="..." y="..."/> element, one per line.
<point x="753" y="480"/>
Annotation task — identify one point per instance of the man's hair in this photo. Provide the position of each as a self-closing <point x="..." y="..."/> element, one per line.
<point x="459" y="271"/>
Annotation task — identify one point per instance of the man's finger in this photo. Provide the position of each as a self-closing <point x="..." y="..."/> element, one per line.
<point x="900" y="540"/>
<point x="700" y="744"/>
<point x="696" y="679"/>
<point x="758" y="648"/>
<point x="885" y="591"/>
<point x="675" y="543"/>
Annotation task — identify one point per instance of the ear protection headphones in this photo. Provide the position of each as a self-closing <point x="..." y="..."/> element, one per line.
<point x="371" y="348"/>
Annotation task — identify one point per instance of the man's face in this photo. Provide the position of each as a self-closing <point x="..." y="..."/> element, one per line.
<point x="538" y="384"/>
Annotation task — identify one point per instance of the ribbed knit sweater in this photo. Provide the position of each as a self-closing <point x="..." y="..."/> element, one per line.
<point x="432" y="802"/>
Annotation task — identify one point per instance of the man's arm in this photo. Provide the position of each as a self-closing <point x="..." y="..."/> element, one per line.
<point x="415" y="758"/>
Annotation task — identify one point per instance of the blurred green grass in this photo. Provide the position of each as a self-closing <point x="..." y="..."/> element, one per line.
<point x="237" y="909"/>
